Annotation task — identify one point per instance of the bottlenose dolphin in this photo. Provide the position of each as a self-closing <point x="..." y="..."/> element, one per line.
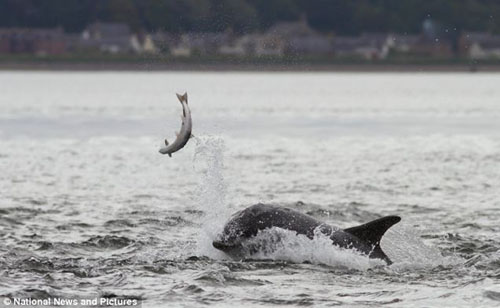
<point x="247" y="223"/>
<point x="185" y="133"/>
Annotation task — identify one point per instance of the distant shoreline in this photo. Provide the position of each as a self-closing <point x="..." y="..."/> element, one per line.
<point x="245" y="67"/>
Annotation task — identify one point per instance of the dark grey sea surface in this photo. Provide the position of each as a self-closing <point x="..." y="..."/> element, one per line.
<point x="90" y="209"/>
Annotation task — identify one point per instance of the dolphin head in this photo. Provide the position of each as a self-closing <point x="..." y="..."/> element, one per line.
<point x="238" y="229"/>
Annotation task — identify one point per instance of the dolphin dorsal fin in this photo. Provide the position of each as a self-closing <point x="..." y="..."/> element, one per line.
<point x="372" y="233"/>
<point x="183" y="98"/>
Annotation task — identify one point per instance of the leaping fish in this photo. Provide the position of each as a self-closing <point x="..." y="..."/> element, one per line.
<point x="185" y="133"/>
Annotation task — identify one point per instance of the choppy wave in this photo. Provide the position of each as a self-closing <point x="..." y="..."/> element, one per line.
<point x="88" y="208"/>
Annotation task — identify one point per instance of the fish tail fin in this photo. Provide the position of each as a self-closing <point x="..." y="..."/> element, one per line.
<point x="164" y="150"/>
<point x="372" y="233"/>
<point x="183" y="98"/>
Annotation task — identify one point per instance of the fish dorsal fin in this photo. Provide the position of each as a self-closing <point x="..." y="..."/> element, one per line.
<point x="372" y="232"/>
<point x="183" y="98"/>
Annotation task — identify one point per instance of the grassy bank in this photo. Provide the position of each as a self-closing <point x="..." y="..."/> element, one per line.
<point x="288" y="63"/>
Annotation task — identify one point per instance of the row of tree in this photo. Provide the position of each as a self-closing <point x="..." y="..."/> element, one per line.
<point x="338" y="16"/>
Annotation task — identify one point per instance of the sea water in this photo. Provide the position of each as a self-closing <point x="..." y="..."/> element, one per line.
<point x="90" y="209"/>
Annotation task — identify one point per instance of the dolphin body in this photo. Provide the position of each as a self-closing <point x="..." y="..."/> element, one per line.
<point x="245" y="225"/>
<point x="186" y="127"/>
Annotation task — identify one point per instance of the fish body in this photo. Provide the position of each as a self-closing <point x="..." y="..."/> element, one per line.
<point x="185" y="132"/>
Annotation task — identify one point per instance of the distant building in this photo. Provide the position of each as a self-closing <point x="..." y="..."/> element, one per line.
<point x="148" y="45"/>
<point x="284" y="38"/>
<point x="293" y="38"/>
<point x="242" y="46"/>
<point x="236" y="48"/>
<point x="143" y="43"/>
<point x="164" y="42"/>
<point x="269" y="45"/>
<point x="480" y="45"/>
<point x="368" y="46"/>
<point x="203" y="43"/>
<point x="32" y="41"/>
<point x="421" y="45"/>
<point x="310" y="45"/>
<point x="403" y="43"/>
<point x="435" y="47"/>
<point x="180" y="51"/>
<point x="434" y="41"/>
<point x="108" y="37"/>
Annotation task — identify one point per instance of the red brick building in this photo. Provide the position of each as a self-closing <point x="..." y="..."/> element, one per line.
<point x="32" y="41"/>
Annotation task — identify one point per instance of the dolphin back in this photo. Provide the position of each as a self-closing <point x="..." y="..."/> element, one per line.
<point x="372" y="232"/>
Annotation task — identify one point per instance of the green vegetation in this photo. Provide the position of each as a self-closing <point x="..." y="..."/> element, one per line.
<point x="310" y="61"/>
<point x="345" y="17"/>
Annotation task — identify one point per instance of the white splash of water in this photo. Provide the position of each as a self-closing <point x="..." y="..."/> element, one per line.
<point x="286" y="245"/>
<point x="404" y="246"/>
<point x="211" y="192"/>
